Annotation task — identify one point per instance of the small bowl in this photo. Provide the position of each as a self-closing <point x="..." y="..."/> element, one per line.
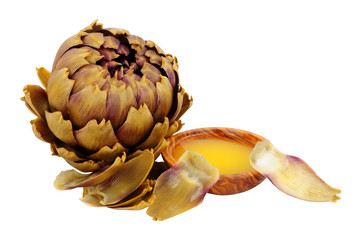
<point x="227" y="183"/>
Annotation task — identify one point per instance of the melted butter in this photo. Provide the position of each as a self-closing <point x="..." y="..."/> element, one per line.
<point x="228" y="157"/>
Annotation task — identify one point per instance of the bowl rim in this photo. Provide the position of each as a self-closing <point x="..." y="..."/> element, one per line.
<point x="230" y="134"/>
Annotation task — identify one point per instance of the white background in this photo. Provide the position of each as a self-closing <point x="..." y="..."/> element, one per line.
<point x="286" y="70"/>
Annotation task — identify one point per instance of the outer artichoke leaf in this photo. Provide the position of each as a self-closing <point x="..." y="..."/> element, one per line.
<point x="91" y="200"/>
<point x="187" y="103"/>
<point x="117" y="31"/>
<point x="71" y="179"/>
<point x="156" y="136"/>
<point x="291" y="175"/>
<point x="94" y="26"/>
<point x="67" y="179"/>
<point x="111" y="42"/>
<point x="165" y="99"/>
<point x="147" y="93"/>
<point x="94" y="136"/>
<point x="87" y="165"/>
<point x="108" y="154"/>
<point x="168" y="68"/>
<point x="94" y="40"/>
<point x="136" y="40"/>
<point x="174" y="127"/>
<point x="152" y="45"/>
<point x="138" y="194"/>
<point x="61" y="128"/>
<point x="73" y="59"/>
<point x="59" y="88"/>
<point x="159" y="148"/>
<point x="41" y="130"/>
<point x="125" y="180"/>
<point x="137" y="126"/>
<point x="140" y="203"/>
<point x="183" y="103"/>
<point x="69" y="43"/>
<point x="43" y="75"/>
<point x="87" y="104"/>
<point x="100" y="177"/>
<point x="87" y="75"/>
<point x="183" y="186"/>
<point x="154" y="58"/>
<point x="119" y="101"/>
<point x="36" y="100"/>
<point x="70" y="154"/>
<point x="152" y="73"/>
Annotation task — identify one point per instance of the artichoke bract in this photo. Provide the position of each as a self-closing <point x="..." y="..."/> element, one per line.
<point x="109" y="95"/>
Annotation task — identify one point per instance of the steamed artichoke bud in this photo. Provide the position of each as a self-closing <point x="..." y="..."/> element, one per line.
<point x="109" y="92"/>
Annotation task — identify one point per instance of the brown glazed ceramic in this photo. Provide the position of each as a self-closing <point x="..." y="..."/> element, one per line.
<point x="227" y="183"/>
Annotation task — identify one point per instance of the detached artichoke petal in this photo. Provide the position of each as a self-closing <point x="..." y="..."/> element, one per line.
<point x="290" y="174"/>
<point x="183" y="186"/>
<point x="36" y="100"/>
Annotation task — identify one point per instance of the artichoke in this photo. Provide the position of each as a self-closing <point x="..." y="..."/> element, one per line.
<point x="107" y="107"/>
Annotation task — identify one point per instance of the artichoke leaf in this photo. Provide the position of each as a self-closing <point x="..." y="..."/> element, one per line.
<point x="108" y="154"/>
<point x="61" y="128"/>
<point x="94" y="136"/>
<point x="72" y="179"/>
<point x="128" y="177"/>
<point x="290" y="174"/>
<point x="138" y="194"/>
<point x="59" y="88"/>
<point x="156" y="136"/>
<point x="87" y="75"/>
<point x="86" y="165"/>
<point x="137" y="126"/>
<point x="36" y="100"/>
<point x="94" y="40"/>
<point x="87" y="104"/>
<point x="43" y="74"/>
<point x="41" y="130"/>
<point x="183" y="186"/>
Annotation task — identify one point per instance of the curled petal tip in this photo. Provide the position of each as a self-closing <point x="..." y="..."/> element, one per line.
<point x="291" y="174"/>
